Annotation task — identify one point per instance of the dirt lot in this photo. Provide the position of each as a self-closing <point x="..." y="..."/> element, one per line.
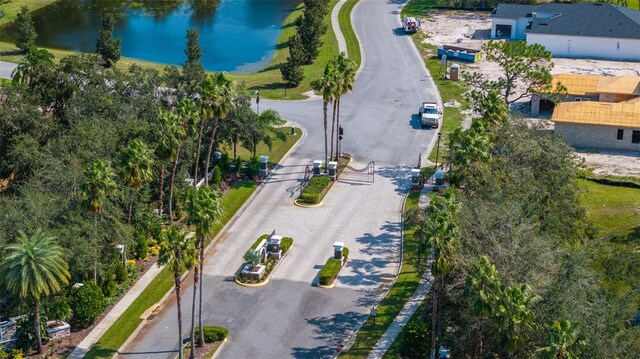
<point x="471" y="30"/>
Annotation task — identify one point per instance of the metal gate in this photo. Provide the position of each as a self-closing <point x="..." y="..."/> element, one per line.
<point x="366" y="174"/>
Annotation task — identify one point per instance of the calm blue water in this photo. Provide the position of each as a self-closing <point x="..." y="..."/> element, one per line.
<point x="235" y="35"/>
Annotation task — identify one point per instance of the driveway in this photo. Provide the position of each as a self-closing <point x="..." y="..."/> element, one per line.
<point x="291" y="316"/>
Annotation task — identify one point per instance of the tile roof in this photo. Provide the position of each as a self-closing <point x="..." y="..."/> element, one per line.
<point x="622" y="114"/>
<point x="586" y="19"/>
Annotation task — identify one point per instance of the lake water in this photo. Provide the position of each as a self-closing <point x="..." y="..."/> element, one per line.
<point x="235" y="35"/>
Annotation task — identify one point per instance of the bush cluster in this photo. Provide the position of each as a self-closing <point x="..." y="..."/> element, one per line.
<point x="212" y="333"/>
<point x="330" y="271"/>
<point x="286" y="243"/>
<point x="312" y="193"/>
<point x="87" y="302"/>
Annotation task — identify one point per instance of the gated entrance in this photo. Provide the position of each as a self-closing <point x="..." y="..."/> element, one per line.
<point x="366" y="174"/>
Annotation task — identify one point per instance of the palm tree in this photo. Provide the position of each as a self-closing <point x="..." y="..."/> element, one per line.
<point x="36" y="62"/>
<point x="564" y="341"/>
<point x="514" y="316"/>
<point x="443" y="235"/>
<point x="137" y="168"/>
<point x="170" y="136"/>
<point x="482" y="290"/>
<point x="336" y="88"/>
<point x="323" y="86"/>
<point x="347" y="70"/>
<point x="188" y="115"/>
<point x="179" y="253"/>
<point x="259" y="128"/>
<point x="98" y="185"/>
<point x="218" y="93"/>
<point x="204" y="211"/>
<point x="32" y="269"/>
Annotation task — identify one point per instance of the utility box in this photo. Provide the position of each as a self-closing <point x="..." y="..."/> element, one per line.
<point x="415" y="177"/>
<point x="439" y="177"/>
<point x="454" y="73"/>
<point x="317" y="166"/>
<point x="337" y="250"/>
<point x="332" y="166"/>
<point x="264" y="165"/>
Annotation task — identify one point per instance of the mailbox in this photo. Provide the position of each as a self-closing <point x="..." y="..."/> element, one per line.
<point x="332" y="166"/>
<point x="455" y="72"/>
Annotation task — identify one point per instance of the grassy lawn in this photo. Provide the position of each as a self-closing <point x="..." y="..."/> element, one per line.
<point x="401" y="291"/>
<point x="615" y="211"/>
<point x="12" y="8"/>
<point x="130" y="319"/>
<point x="278" y="149"/>
<point x="269" y="80"/>
<point x="344" y="19"/>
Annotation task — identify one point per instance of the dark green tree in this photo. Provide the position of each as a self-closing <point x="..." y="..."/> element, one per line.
<point x="292" y="73"/>
<point x="192" y="69"/>
<point x="26" y="31"/>
<point x="107" y="46"/>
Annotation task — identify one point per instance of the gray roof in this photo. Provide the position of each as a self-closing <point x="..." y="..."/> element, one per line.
<point x="587" y="19"/>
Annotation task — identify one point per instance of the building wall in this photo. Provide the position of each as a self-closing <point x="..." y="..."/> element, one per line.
<point x="588" y="47"/>
<point x="499" y="21"/>
<point x="597" y="136"/>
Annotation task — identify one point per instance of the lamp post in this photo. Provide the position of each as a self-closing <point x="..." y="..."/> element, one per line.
<point x="120" y="248"/>
<point x="258" y="100"/>
<point x="437" y="150"/>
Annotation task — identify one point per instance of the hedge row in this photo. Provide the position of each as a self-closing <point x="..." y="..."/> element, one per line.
<point x="312" y="192"/>
<point x="330" y="271"/>
<point x="212" y="333"/>
<point x="285" y="244"/>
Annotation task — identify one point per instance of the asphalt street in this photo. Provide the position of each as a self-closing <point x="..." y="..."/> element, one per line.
<point x="291" y="316"/>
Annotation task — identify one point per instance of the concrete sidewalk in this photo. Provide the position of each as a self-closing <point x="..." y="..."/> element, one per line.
<point x="115" y="313"/>
<point x="335" y="24"/>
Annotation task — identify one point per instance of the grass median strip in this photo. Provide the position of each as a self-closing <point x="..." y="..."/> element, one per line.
<point x="404" y="286"/>
<point x="344" y="19"/>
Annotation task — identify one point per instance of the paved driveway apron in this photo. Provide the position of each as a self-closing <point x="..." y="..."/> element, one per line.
<point x="290" y="316"/>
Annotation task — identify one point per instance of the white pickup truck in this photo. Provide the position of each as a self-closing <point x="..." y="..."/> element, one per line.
<point x="410" y="24"/>
<point x="430" y="114"/>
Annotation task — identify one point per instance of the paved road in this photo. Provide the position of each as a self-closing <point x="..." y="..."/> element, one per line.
<point x="6" y="68"/>
<point x="290" y="316"/>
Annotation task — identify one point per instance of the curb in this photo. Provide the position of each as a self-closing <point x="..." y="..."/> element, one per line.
<point x="217" y="352"/>
<point x="304" y="205"/>
<point x="335" y="280"/>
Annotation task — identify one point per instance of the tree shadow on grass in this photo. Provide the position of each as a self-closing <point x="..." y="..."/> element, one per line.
<point x="331" y="330"/>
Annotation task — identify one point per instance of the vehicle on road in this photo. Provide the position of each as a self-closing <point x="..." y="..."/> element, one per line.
<point x="410" y="24"/>
<point x="430" y="114"/>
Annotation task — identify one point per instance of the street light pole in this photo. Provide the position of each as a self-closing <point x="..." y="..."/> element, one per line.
<point x="437" y="150"/>
<point x="258" y="100"/>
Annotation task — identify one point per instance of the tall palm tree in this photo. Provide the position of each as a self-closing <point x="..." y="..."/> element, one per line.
<point x="36" y="62"/>
<point x="99" y="184"/>
<point x="204" y="211"/>
<point x="336" y="87"/>
<point x="443" y="237"/>
<point x="188" y="114"/>
<point x="564" y="341"/>
<point x="324" y="87"/>
<point x="32" y="269"/>
<point x="179" y="253"/>
<point x="514" y="317"/>
<point x="218" y="92"/>
<point x="137" y="168"/>
<point x="347" y="70"/>
<point x="482" y="290"/>
<point x="170" y="134"/>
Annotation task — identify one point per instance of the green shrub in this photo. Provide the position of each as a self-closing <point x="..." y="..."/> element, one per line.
<point x="108" y="285"/>
<point x="142" y="246"/>
<point x="253" y="167"/>
<point x="121" y="273"/>
<point x="345" y="252"/>
<point x="329" y="272"/>
<point x="311" y="193"/>
<point x="286" y="243"/>
<point x="224" y="164"/>
<point x="216" y="176"/>
<point x="87" y="302"/>
<point x="415" y="340"/>
<point x="57" y="308"/>
<point x="212" y="333"/>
